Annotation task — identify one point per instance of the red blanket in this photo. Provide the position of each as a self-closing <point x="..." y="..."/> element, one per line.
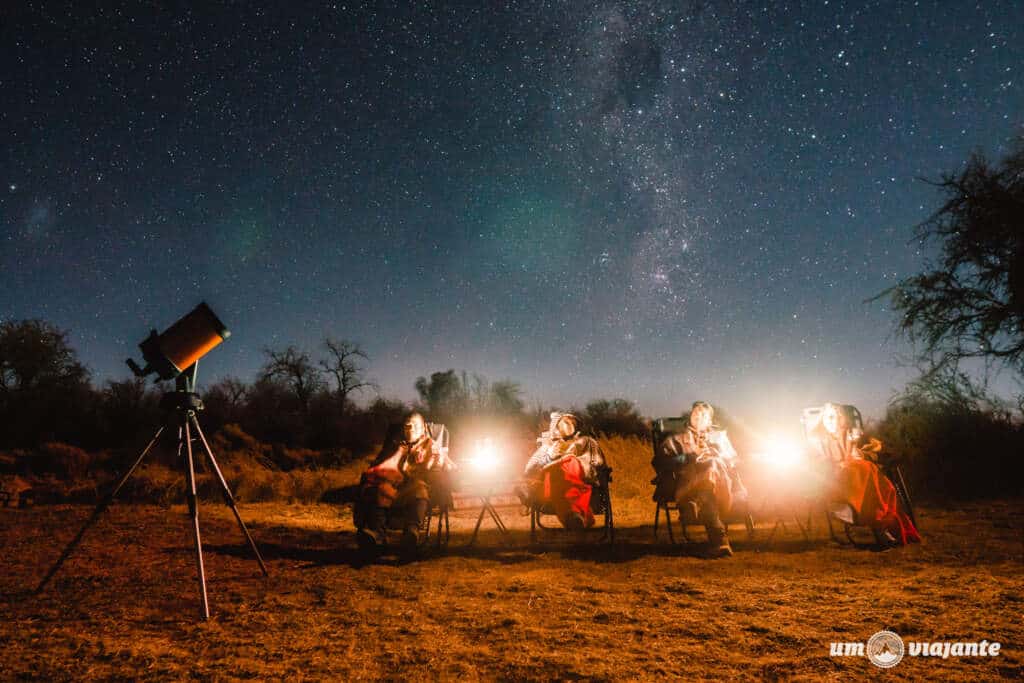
<point x="567" y="492"/>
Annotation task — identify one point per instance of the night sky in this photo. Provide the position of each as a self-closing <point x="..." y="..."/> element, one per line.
<point x="653" y="200"/>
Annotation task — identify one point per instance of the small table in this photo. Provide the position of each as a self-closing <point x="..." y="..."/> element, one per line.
<point x="487" y="507"/>
<point x="782" y="512"/>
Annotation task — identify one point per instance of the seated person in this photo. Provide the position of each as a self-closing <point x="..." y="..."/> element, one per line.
<point x="562" y="470"/>
<point x="858" y="489"/>
<point x="399" y="486"/>
<point x="699" y="466"/>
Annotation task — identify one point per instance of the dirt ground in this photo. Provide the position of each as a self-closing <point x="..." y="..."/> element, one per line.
<point x="125" y="604"/>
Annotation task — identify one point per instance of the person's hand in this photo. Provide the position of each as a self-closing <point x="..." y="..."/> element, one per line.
<point x="554" y="463"/>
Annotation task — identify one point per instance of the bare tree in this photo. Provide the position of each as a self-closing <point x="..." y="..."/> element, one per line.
<point x="234" y="390"/>
<point x="227" y="399"/>
<point x="345" y="367"/>
<point x="293" y="368"/>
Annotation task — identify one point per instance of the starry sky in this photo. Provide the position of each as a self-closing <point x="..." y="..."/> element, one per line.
<point x="661" y="201"/>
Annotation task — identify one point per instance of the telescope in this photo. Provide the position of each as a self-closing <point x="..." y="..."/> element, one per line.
<point x="181" y="345"/>
<point x="175" y="355"/>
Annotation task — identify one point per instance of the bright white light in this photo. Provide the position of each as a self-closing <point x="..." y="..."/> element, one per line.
<point x="485" y="456"/>
<point x="780" y="453"/>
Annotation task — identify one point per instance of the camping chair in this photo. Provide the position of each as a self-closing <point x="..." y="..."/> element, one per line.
<point x="661" y="429"/>
<point x="689" y="514"/>
<point x="600" y="505"/>
<point x="441" y="501"/>
<point x="890" y="467"/>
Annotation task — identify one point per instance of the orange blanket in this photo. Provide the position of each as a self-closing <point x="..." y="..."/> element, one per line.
<point x="874" y="499"/>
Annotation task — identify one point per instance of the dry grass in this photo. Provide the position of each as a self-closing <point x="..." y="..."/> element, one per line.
<point x="630" y="460"/>
<point x="124" y="606"/>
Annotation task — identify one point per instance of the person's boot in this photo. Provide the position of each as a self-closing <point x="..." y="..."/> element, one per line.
<point x="842" y="512"/>
<point x="367" y="541"/>
<point x="522" y="492"/>
<point x="575" y="522"/>
<point x="528" y="495"/>
<point x="371" y="538"/>
<point x="884" y="539"/>
<point x="411" y="533"/>
<point x="719" y="542"/>
<point x="410" y="540"/>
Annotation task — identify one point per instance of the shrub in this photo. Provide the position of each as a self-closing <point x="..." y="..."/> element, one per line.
<point x="61" y="460"/>
<point x="154" y="483"/>
<point x="617" y="416"/>
<point x="231" y="443"/>
<point x="950" y="452"/>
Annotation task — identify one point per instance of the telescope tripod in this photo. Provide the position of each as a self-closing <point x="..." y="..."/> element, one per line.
<point x="180" y="407"/>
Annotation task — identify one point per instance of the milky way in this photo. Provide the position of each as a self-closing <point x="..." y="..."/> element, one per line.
<point x="660" y="201"/>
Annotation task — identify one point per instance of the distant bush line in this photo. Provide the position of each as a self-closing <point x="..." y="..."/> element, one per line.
<point x="63" y="435"/>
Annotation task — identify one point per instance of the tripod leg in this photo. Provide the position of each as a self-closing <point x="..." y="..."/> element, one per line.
<point x="193" y="509"/>
<point x="103" y="505"/>
<point x="228" y="498"/>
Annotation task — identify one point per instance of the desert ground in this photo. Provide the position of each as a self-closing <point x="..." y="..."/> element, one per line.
<point x="125" y="606"/>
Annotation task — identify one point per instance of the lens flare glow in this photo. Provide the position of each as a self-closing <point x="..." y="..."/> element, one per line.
<point x="485" y="457"/>
<point x="780" y="453"/>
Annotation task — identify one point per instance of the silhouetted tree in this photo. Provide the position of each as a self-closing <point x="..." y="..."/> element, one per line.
<point x="129" y="410"/>
<point x="35" y="355"/>
<point x="970" y="303"/>
<point x="344" y="366"/>
<point x="448" y="395"/>
<point x="44" y="390"/>
<point x="443" y="395"/>
<point x="506" y="397"/>
<point x="364" y="430"/>
<point x="615" y="416"/>
<point x="273" y="413"/>
<point x="225" y="402"/>
<point x="953" y="390"/>
<point x="294" y="369"/>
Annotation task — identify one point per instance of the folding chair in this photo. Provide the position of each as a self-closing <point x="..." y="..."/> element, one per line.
<point x="441" y="501"/>
<point x="661" y="429"/>
<point x="689" y="514"/>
